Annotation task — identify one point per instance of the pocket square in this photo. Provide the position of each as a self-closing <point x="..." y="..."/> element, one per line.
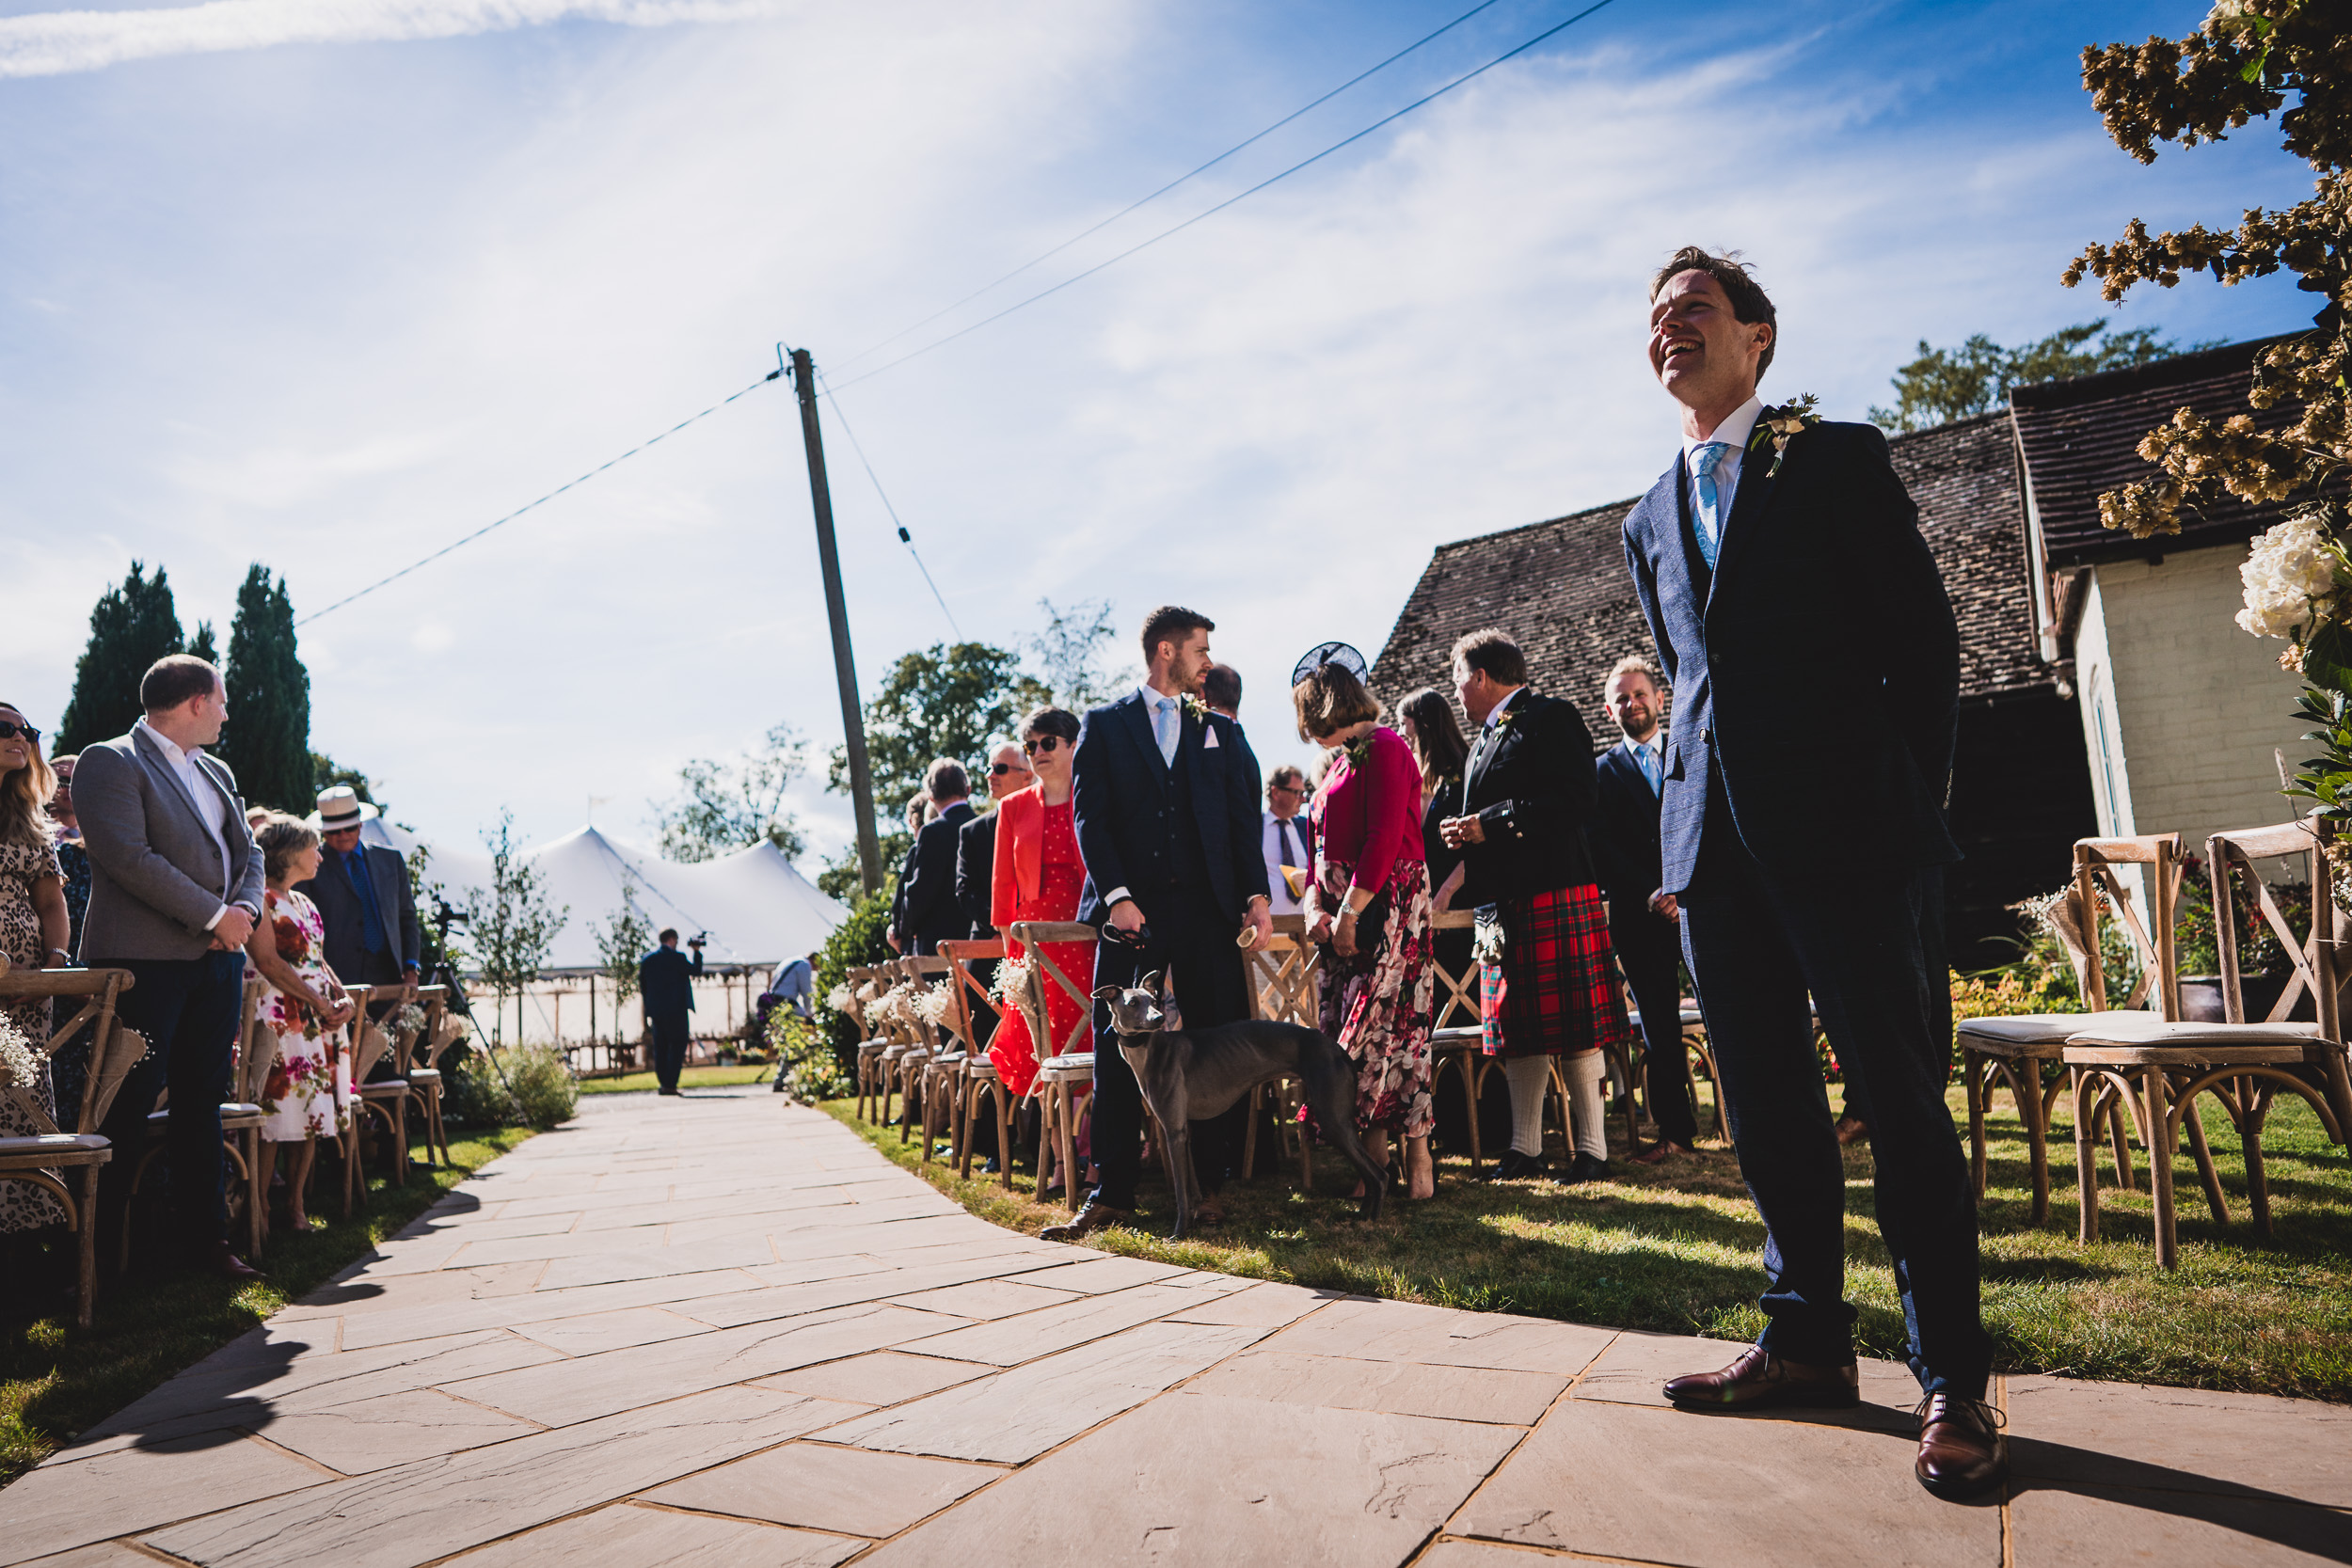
<point x="1210" y="743"/>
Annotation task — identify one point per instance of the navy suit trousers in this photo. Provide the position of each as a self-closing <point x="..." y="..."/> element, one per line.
<point x="188" y="1010"/>
<point x="668" y="1034"/>
<point x="1652" y="962"/>
<point x="1755" y="943"/>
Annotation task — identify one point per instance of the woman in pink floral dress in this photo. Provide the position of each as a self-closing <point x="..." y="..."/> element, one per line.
<point x="1371" y="903"/>
<point x="309" y="1095"/>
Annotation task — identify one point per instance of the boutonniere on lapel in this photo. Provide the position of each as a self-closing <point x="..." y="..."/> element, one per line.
<point x="1781" y="425"/>
<point x="1194" y="708"/>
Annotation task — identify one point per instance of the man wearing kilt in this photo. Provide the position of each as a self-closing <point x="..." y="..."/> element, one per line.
<point x="1546" y="987"/>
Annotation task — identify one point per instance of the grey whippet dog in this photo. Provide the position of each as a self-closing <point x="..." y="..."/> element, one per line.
<point x="1190" y="1075"/>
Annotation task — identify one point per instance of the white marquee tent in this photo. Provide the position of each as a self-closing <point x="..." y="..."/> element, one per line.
<point x="757" y="909"/>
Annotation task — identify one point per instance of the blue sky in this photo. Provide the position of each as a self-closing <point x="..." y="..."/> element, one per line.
<point x="331" y="304"/>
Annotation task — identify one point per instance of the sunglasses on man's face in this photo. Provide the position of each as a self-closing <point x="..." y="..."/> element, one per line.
<point x="32" y="735"/>
<point x="1000" y="769"/>
<point x="1043" y="743"/>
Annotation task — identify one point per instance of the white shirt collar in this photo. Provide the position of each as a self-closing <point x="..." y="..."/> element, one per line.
<point x="1735" y="430"/>
<point x="172" y="754"/>
<point x="1152" y="699"/>
<point x="1655" y="745"/>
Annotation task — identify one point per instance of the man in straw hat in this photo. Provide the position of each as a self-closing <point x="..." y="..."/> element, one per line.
<point x="362" y="892"/>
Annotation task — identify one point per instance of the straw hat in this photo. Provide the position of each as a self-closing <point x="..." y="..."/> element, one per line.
<point x="338" y="808"/>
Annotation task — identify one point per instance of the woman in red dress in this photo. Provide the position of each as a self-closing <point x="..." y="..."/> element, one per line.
<point x="1038" y="876"/>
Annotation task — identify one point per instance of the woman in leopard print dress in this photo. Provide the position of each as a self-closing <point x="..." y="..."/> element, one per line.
<point x="33" y="934"/>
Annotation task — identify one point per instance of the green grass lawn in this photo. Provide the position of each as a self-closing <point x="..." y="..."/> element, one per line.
<point x="57" y="1379"/>
<point x="693" y="1078"/>
<point x="1678" y="1249"/>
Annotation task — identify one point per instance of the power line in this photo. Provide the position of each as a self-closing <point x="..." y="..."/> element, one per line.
<point x="1168" y="233"/>
<point x="904" y="537"/>
<point x="1146" y="200"/>
<point x="583" y="479"/>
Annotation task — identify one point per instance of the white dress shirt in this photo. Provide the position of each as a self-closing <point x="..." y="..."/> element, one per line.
<point x="200" y="789"/>
<point x="1734" y="432"/>
<point x="1278" y="885"/>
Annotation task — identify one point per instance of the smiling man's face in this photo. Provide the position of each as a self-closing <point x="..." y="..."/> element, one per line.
<point x="1700" y="349"/>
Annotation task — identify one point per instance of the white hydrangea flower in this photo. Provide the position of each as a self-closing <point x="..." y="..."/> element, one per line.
<point x="2290" y="579"/>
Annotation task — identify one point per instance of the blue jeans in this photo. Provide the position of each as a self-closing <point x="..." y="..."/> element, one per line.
<point x="1861" y="942"/>
<point x="187" y="1008"/>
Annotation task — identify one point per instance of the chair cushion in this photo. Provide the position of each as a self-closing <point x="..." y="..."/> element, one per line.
<point x="2054" y="1029"/>
<point x="54" y="1143"/>
<point x="384" y="1088"/>
<point x="2180" y="1035"/>
<point x="1456" y="1038"/>
<point x="982" y="1069"/>
<point x="425" y="1077"/>
<point x="1076" y="1064"/>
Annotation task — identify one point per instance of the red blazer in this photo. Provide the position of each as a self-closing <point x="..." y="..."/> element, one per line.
<point x="1020" y="869"/>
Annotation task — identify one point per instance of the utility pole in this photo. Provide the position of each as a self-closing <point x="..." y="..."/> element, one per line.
<point x="838" y="612"/>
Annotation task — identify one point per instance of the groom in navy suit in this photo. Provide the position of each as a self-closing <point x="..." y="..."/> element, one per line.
<point x="1803" y="855"/>
<point x="1165" y="794"/>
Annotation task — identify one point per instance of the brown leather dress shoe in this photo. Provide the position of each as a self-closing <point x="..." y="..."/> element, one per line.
<point x="1851" y="1131"/>
<point x="1660" y="1153"/>
<point x="1762" y="1380"/>
<point x="1962" y="1451"/>
<point x="1091" y="1217"/>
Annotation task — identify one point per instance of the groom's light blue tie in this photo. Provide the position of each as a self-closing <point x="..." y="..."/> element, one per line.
<point x="1704" y="462"/>
<point x="1165" y="729"/>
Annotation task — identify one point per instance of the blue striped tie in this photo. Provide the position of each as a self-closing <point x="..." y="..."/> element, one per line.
<point x="1709" y="508"/>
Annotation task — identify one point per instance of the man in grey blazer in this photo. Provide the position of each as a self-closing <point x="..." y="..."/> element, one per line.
<point x="175" y="890"/>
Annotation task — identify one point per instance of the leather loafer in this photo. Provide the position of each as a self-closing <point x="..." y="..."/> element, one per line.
<point x="1091" y="1217"/>
<point x="1584" y="1167"/>
<point x="1962" y="1451"/>
<point x="1761" y="1381"/>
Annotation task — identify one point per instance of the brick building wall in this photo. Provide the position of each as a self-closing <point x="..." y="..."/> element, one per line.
<point x="2201" y="710"/>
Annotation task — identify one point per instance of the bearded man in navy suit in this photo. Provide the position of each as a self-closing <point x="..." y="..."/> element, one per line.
<point x="1165" y="796"/>
<point x="1803" y="857"/>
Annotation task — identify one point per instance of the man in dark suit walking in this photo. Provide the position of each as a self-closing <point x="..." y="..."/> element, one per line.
<point x="665" y="983"/>
<point x="176" y="889"/>
<point x="1644" y="920"/>
<point x="932" y="914"/>
<point x="364" y="899"/>
<point x="1165" y="801"/>
<point x="1777" y="546"/>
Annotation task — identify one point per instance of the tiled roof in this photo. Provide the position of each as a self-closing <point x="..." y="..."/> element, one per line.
<point x="1561" y="587"/>
<point x="2081" y="437"/>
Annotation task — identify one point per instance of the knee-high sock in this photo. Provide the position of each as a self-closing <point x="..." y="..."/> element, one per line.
<point x="1587" y="1114"/>
<point x="1530" y="1078"/>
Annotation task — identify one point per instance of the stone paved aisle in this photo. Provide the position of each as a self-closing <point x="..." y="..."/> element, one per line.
<point x="718" y="1330"/>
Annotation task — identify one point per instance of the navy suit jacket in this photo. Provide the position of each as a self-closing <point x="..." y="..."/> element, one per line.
<point x="665" y="978"/>
<point x="976" y="872"/>
<point x="338" y="900"/>
<point x="932" y="915"/>
<point x="1122" y="803"/>
<point x="1816" y="669"/>
<point x="1625" y="854"/>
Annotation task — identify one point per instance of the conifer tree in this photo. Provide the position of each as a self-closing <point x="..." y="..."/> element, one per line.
<point x="267" y="739"/>
<point x="133" y="625"/>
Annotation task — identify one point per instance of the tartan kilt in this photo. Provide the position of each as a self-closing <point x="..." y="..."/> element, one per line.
<point x="1555" y="991"/>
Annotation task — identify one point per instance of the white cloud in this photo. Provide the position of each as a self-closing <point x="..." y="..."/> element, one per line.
<point x="53" y="43"/>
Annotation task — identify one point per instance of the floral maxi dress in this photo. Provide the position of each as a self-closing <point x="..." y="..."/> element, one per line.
<point x="309" y="1094"/>
<point x="23" y="1206"/>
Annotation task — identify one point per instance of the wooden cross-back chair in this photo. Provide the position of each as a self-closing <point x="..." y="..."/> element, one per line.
<point x="442" y="1030"/>
<point x="859" y="980"/>
<point x="1456" y="1039"/>
<point x="2161" y="1071"/>
<point x="934" y="1080"/>
<point x="983" y="1083"/>
<point x="42" y="1158"/>
<point x="1061" y="1071"/>
<point x="241" y="1119"/>
<point x="1283" y="978"/>
<point x="2011" y="1052"/>
<point x="376" y="1038"/>
<point x="915" y="1046"/>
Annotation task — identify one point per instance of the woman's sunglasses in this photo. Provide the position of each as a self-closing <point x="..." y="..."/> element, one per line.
<point x="32" y="735"/>
<point x="1043" y="743"/>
